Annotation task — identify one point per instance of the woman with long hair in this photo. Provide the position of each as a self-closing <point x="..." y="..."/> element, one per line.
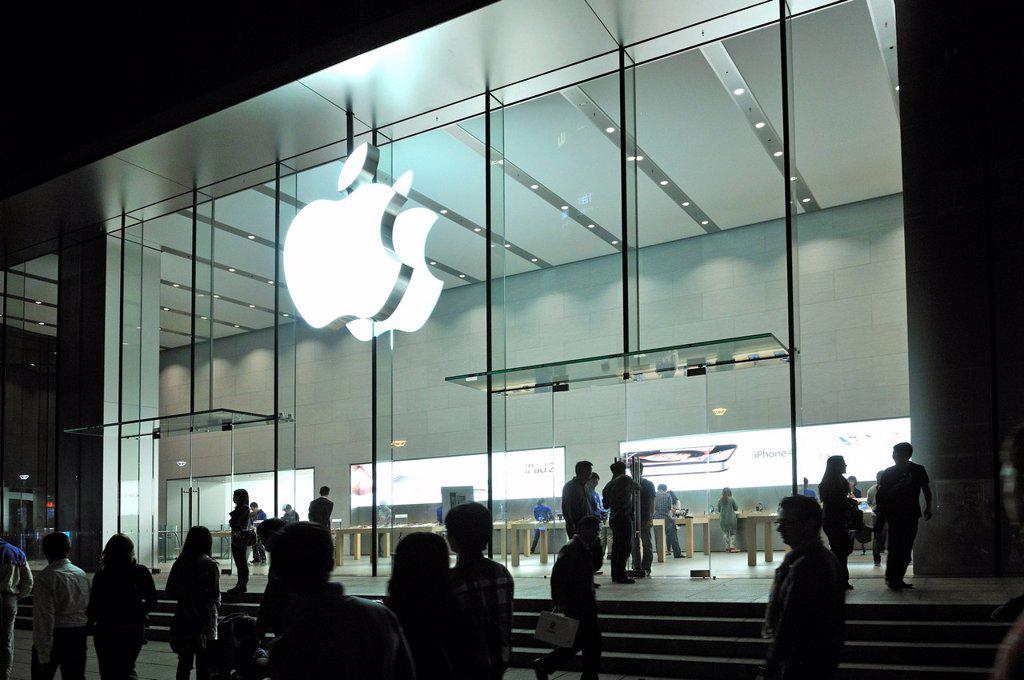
<point x="122" y="596"/>
<point x="837" y="507"/>
<point x="727" y="508"/>
<point x="194" y="582"/>
<point x="420" y="596"/>
<point x="242" y="538"/>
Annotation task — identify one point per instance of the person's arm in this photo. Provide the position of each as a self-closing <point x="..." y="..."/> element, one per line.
<point x="25" y="580"/>
<point x="148" y="590"/>
<point x="171" y="587"/>
<point x="95" y="594"/>
<point x="43" y="617"/>
<point x="927" y="489"/>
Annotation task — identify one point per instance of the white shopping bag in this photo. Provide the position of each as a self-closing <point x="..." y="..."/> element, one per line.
<point x="556" y="629"/>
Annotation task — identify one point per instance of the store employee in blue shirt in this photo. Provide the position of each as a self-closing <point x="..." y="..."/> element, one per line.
<point x="541" y="513"/>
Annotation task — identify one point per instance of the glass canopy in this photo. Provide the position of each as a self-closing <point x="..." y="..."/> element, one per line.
<point x="215" y="420"/>
<point x="652" y="364"/>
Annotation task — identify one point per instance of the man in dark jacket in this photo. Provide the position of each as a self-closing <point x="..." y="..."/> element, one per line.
<point x="618" y="497"/>
<point x="327" y="634"/>
<point x="320" y="509"/>
<point x="576" y="501"/>
<point x="572" y="590"/>
<point x="805" y="617"/>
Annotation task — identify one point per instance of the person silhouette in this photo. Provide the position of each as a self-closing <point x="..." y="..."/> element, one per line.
<point x="60" y="598"/>
<point x="242" y="536"/>
<point x="899" y="506"/>
<point x="572" y="590"/>
<point x="420" y="595"/>
<point x="1010" y="658"/>
<point x="270" y="616"/>
<point x="804" y="619"/>
<point x="482" y="587"/>
<point x="327" y="634"/>
<point x="194" y="582"/>
<point x="121" y="598"/>
<point x="836" y="508"/>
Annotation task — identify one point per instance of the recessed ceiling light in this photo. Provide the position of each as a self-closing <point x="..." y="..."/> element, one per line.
<point x="703" y="221"/>
<point x="270" y="282"/>
<point x="508" y="245"/>
<point x="284" y="314"/>
<point x="41" y="323"/>
<point x="686" y="204"/>
<point x="167" y="309"/>
<point x="615" y="243"/>
<point x="203" y="318"/>
<point x="609" y="130"/>
<point x="175" y="285"/>
<point x="793" y="178"/>
<point x="777" y="154"/>
<point x="565" y="207"/>
<point x="738" y="91"/>
<point x="897" y="88"/>
<point x="806" y="200"/>
<point x="462" y="276"/>
<point x="33" y="365"/>
<point x="639" y="158"/>
<point x="533" y="259"/>
<point x="476" y="229"/>
<point x="759" y="125"/>
<point x="231" y="269"/>
<point x="252" y="306"/>
<point x="590" y="226"/>
<point x="630" y="158"/>
<point x="432" y="262"/>
<point x="216" y="296"/>
<point x="443" y="211"/>
<point x="200" y="295"/>
<point x="535" y="186"/>
<point x="39" y="302"/>
<point x="663" y="182"/>
<point x="237" y="326"/>
<point x="251" y="237"/>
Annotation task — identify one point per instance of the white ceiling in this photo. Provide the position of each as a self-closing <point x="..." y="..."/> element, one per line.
<point x="846" y="139"/>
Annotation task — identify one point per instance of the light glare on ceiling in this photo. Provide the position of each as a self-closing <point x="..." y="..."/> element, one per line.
<point x="535" y="186"/>
<point x="806" y="200"/>
<point x="759" y="125"/>
<point x="251" y="237"/>
<point x="703" y="221"/>
<point x="663" y="182"/>
<point x="738" y="91"/>
<point x="590" y="226"/>
<point x="231" y="269"/>
<point x="777" y="154"/>
<point x="686" y="204"/>
<point x="609" y="130"/>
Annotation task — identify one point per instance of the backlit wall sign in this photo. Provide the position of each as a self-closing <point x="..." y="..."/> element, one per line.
<point x="538" y="473"/>
<point x="360" y="260"/>
<point x="761" y="458"/>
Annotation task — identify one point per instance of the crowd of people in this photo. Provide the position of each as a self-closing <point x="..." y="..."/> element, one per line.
<point x="440" y="621"/>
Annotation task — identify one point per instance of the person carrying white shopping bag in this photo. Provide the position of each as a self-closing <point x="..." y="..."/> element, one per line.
<point x="573" y="627"/>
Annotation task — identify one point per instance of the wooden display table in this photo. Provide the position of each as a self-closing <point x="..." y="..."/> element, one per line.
<point x="688" y="523"/>
<point x="518" y="528"/>
<point x="750" y="532"/>
<point x="356" y="540"/>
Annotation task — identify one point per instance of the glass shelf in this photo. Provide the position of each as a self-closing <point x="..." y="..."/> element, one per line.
<point x="652" y="364"/>
<point x="215" y="420"/>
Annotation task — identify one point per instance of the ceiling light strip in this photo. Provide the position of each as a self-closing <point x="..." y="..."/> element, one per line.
<point x="247" y="235"/>
<point x="217" y="296"/>
<point x="883" y="19"/>
<point x="35" y="302"/>
<point x="735" y="84"/>
<point x="513" y="171"/>
<point x="601" y="120"/>
<point x="231" y="324"/>
<point x="28" y="322"/>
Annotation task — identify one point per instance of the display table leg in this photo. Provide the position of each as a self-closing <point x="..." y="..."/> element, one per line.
<point x="661" y="544"/>
<point x="528" y="546"/>
<point x="339" y="549"/>
<point x="357" y="547"/>
<point x="750" y="529"/>
<point x="707" y="538"/>
<point x="543" y="547"/>
<point x="769" y="549"/>
<point x="515" y="547"/>
<point x="387" y="544"/>
<point x="689" y="538"/>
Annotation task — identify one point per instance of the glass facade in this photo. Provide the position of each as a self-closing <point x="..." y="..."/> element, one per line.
<point x="685" y="251"/>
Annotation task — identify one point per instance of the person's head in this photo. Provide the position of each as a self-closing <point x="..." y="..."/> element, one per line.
<point x="799" y="520"/>
<point x="663" y="487"/>
<point x="56" y="546"/>
<point x="588" y="528"/>
<point x="287" y="507"/>
<point x="303" y="556"/>
<point x="852" y="481"/>
<point x="118" y="553"/>
<point x="198" y="541"/>
<point x="618" y="468"/>
<point x="584" y="469"/>
<point x="325" y="490"/>
<point x="594" y="479"/>
<point x="241" y="498"/>
<point x="469" y="528"/>
<point x="419" y="570"/>
<point x="540" y="501"/>
<point x="1012" y="475"/>
<point x="267" y="531"/>
<point x="901" y="454"/>
<point x="254" y="505"/>
<point x="726" y="492"/>
<point x="835" y="466"/>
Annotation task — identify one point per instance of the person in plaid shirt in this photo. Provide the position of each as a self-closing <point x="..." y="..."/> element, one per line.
<point x="483" y="589"/>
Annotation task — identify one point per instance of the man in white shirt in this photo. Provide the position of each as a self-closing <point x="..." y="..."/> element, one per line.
<point x="15" y="583"/>
<point x="58" y="614"/>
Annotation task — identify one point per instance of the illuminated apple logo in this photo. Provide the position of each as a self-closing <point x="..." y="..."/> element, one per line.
<point x="360" y="260"/>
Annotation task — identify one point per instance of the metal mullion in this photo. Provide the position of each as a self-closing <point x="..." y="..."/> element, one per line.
<point x="3" y="394"/>
<point x="277" y="333"/>
<point x="790" y="257"/>
<point x="120" y="367"/>
<point x="192" y="321"/>
<point x="623" y="199"/>
<point x="489" y="312"/>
